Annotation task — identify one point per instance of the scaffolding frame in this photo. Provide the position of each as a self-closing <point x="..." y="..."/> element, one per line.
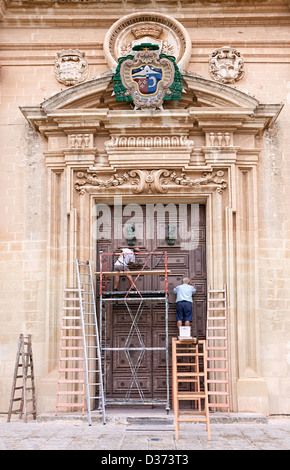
<point x="128" y="298"/>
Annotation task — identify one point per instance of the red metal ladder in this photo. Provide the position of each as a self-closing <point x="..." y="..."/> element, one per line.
<point x="217" y="350"/>
<point x="71" y="372"/>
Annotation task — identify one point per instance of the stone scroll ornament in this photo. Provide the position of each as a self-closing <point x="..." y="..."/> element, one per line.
<point x="147" y="77"/>
<point x="226" y="65"/>
<point x="71" y="67"/>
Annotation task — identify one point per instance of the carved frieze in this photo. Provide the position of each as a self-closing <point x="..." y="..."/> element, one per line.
<point x="161" y="141"/>
<point x="149" y="181"/>
<point x="71" y="67"/>
<point x="226" y="65"/>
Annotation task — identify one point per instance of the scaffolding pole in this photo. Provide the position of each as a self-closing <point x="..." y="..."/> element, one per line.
<point x="128" y="297"/>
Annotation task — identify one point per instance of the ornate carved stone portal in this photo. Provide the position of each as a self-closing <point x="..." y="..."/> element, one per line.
<point x="200" y="151"/>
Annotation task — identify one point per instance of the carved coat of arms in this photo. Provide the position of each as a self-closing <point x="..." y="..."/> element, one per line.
<point x="226" y="65"/>
<point x="147" y="78"/>
<point x="71" y="67"/>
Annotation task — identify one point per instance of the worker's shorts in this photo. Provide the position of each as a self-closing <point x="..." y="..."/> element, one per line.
<point x="119" y="267"/>
<point x="184" y="311"/>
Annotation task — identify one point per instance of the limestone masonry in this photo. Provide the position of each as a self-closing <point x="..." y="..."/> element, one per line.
<point x="223" y="142"/>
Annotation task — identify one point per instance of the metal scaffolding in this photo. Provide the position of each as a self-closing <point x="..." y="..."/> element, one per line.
<point x="129" y="298"/>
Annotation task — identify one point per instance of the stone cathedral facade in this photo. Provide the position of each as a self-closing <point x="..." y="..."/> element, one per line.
<point x="182" y="104"/>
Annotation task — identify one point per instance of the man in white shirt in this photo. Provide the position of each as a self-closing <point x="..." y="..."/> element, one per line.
<point x="184" y="302"/>
<point x="126" y="259"/>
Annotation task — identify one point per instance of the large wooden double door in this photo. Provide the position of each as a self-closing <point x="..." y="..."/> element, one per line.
<point x="153" y="231"/>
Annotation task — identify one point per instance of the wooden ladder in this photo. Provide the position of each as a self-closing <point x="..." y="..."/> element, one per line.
<point x="217" y="350"/>
<point x="24" y="372"/>
<point x="189" y="367"/>
<point x="71" y="372"/>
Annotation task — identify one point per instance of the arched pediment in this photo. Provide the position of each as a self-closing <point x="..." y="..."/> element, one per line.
<point x="198" y="92"/>
<point x="205" y="104"/>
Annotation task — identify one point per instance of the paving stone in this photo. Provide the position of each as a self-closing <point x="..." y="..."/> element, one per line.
<point x="119" y="435"/>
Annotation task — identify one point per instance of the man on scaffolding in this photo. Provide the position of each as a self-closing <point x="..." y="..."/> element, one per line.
<point x="125" y="260"/>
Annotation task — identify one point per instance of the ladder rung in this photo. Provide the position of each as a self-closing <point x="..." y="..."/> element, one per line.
<point x="190" y="374"/>
<point x="188" y="354"/>
<point x="216" y="318"/>
<point x="217" y="309"/>
<point x="218" y="393"/>
<point x="75" y="405"/>
<point x="71" y="328"/>
<point x="189" y="395"/>
<point x="71" y="337"/>
<point x="72" y="318"/>
<point x="217" y="358"/>
<point x="217" y="337"/>
<point x="216" y="370"/>
<point x="216" y="327"/>
<point x="71" y="358"/>
<point x="71" y="308"/>
<point x="72" y="348"/>
<point x="71" y="369"/>
<point x="217" y="300"/>
<point x="71" y="381"/>
<point x="218" y="381"/>
<point x="216" y="290"/>
<point x="62" y="392"/>
<point x="218" y="405"/>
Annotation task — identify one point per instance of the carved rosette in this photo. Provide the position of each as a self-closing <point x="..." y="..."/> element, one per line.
<point x="149" y="181"/>
<point x="71" y="67"/>
<point x="226" y="65"/>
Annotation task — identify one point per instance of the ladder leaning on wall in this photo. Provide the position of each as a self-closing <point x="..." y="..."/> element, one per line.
<point x="71" y="372"/>
<point x="217" y="349"/>
<point x="23" y="381"/>
<point x="92" y="352"/>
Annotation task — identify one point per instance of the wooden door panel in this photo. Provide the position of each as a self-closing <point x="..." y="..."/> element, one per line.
<point x="190" y="262"/>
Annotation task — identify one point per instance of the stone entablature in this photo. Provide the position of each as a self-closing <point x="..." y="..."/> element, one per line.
<point x="156" y="137"/>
